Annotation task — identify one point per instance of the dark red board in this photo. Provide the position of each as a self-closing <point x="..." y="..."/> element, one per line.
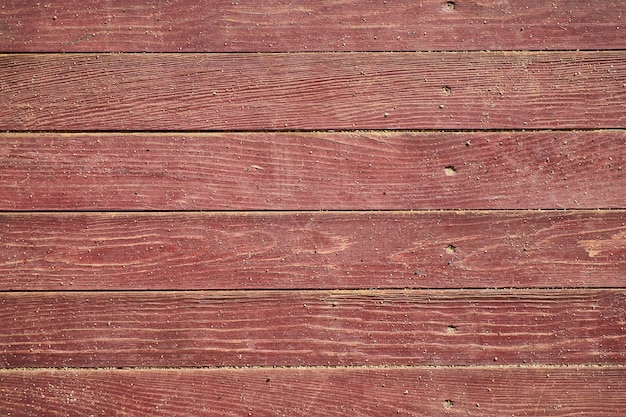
<point x="313" y="328"/>
<point x="167" y="92"/>
<point x="304" y="25"/>
<point x="254" y="250"/>
<point x="313" y="171"/>
<point x="382" y="392"/>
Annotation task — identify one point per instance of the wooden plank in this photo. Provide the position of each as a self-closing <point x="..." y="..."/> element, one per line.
<point x="317" y="392"/>
<point x="323" y="25"/>
<point x="313" y="171"/>
<point x="312" y="328"/>
<point x="116" y="251"/>
<point x="480" y="90"/>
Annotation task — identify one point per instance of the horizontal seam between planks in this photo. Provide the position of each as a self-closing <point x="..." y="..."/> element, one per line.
<point x="548" y="210"/>
<point x="321" y="367"/>
<point x="326" y="291"/>
<point x="317" y="131"/>
<point x="327" y="52"/>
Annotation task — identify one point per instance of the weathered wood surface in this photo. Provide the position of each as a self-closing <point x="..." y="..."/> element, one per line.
<point x="324" y="25"/>
<point x="116" y="251"/>
<point x="313" y="171"/>
<point x="108" y="260"/>
<point x="479" y="90"/>
<point x="548" y="391"/>
<point x="313" y="328"/>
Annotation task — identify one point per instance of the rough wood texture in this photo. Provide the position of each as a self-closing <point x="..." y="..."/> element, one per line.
<point x="263" y="305"/>
<point x="316" y="392"/>
<point x="313" y="171"/>
<point x="322" y="25"/>
<point x="480" y="90"/>
<point x="313" y="328"/>
<point x="113" y="251"/>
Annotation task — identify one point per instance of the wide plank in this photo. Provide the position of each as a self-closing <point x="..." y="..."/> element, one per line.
<point x="312" y="328"/>
<point x="303" y="91"/>
<point x="304" y="25"/>
<point x="361" y="170"/>
<point x="476" y="391"/>
<point x="195" y="250"/>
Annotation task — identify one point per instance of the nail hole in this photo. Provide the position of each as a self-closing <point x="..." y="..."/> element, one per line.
<point x="446" y="90"/>
<point x="450" y="5"/>
<point x="451" y="249"/>
<point x="451" y="328"/>
<point x="468" y="143"/>
<point x="450" y="170"/>
<point x="448" y="404"/>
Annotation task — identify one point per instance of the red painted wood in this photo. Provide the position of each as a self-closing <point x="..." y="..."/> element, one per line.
<point x="482" y="90"/>
<point x="323" y="25"/>
<point x="549" y="391"/>
<point x="114" y="251"/>
<point x="287" y="171"/>
<point x="443" y="348"/>
<point x="312" y="328"/>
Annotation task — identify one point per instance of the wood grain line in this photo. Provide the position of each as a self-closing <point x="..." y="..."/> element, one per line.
<point x="313" y="171"/>
<point x="483" y="249"/>
<point x="321" y="91"/>
<point x="316" y="392"/>
<point x="323" y="25"/>
<point x="312" y="328"/>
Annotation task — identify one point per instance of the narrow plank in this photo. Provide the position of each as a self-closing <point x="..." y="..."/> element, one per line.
<point x="312" y="328"/>
<point x="480" y="90"/>
<point x="116" y="251"/>
<point x="313" y="171"/>
<point x="324" y="25"/>
<point x="316" y="392"/>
